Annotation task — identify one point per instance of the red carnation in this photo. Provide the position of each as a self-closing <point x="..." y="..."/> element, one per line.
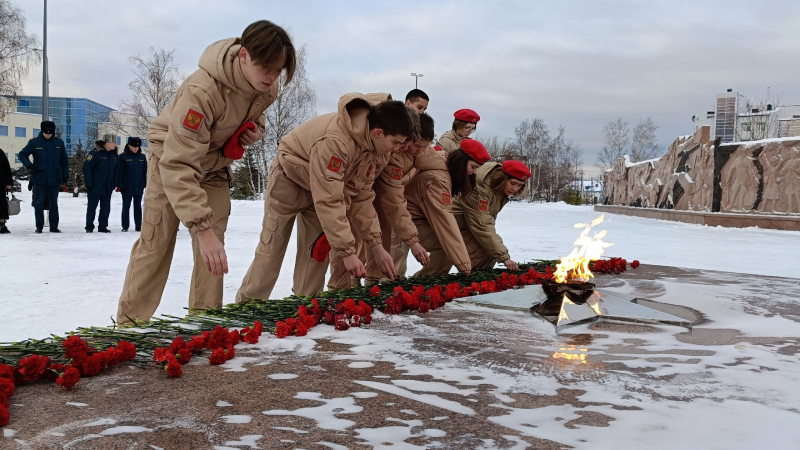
<point x="6" y="371"/>
<point x="74" y="346"/>
<point x="634" y="263"/>
<point x="375" y="291"/>
<point x="424" y="307"/>
<point x="161" y="354"/>
<point x="315" y="302"/>
<point x="282" y="330"/>
<point x="258" y="327"/>
<point x="328" y="317"/>
<point x="230" y="352"/>
<point x="367" y="320"/>
<point x="6" y="388"/>
<point x="308" y="321"/>
<point x="341" y="323"/>
<point x="112" y="357"/>
<point x="301" y="330"/>
<point x="217" y="356"/>
<point x="173" y="368"/>
<point x="33" y="367"/>
<point x="69" y="378"/>
<point x="4" y="403"/>
<point x="236" y="336"/>
<point x="93" y="365"/>
<point x="197" y="344"/>
<point x="5" y="417"/>
<point x="127" y="351"/>
<point x="220" y="337"/>
<point x="177" y="344"/>
<point x="302" y="311"/>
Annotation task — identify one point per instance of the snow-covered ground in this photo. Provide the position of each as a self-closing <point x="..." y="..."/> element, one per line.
<point x="53" y="283"/>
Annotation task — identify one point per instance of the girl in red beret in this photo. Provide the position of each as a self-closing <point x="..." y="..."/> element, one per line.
<point x="476" y="213"/>
<point x="464" y="123"/>
<point x="441" y="178"/>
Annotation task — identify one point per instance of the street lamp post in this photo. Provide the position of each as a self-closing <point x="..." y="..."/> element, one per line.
<point x="45" y="77"/>
<point x="417" y="76"/>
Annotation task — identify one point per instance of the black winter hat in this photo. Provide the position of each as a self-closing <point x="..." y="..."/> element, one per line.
<point x="48" y="126"/>
<point x="134" y="141"/>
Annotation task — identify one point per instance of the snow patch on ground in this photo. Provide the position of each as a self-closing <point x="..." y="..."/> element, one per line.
<point x="236" y="419"/>
<point x="324" y="414"/>
<point x="223" y="404"/>
<point x="293" y="430"/>
<point x="126" y="429"/>
<point x="250" y="440"/>
<point x="99" y="422"/>
<point x="282" y="376"/>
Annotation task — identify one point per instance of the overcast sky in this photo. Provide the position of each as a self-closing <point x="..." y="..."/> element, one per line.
<point x="579" y="64"/>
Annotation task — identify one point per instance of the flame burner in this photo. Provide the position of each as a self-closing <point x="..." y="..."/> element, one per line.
<point x="577" y="291"/>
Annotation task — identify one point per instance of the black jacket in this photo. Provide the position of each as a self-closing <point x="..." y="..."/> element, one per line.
<point x="49" y="156"/>
<point x="100" y="170"/>
<point x="132" y="172"/>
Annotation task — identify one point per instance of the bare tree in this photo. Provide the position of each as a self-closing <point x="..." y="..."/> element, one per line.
<point x="644" y="145"/>
<point x="499" y="149"/>
<point x="156" y="80"/>
<point x="17" y="53"/>
<point x="757" y="118"/>
<point x="533" y="139"/>
<point x="616" y="140"/>
<point x="295" y="103"/>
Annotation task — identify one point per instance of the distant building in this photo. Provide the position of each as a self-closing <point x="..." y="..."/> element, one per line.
<point x="15" y="132"/>
<point x="734" y="117"/>
<point x="76" y="119"/>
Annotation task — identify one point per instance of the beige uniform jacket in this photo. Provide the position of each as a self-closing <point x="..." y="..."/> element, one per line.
<point x="449" y="141"/>
<point x="478" y="212"/>
<point x="429" y="199"/>
<point x="188" y="136"/>
<point x="390" y="193"/>
<point x="333" y="157"/>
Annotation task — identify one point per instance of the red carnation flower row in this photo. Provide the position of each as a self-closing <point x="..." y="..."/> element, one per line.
<point x="342" y="316"/>
<point x="220" y="341"/>
<point x="613" y="265"/>
<point x="83" y="361"/>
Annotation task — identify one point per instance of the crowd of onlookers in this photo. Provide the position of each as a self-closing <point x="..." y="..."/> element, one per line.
<point x="104" y="172"/>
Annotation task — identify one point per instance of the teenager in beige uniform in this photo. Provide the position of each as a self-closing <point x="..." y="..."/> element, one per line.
<point x="188" y="174"/>
<point x="392" y="174"/>
<point x="464" y="123"/>
<point x="417" y="100"/>
<point x="476" y="213"/>
<point x="439" y="179"/>
<point x="390" y="204"/>
<point x="324" y="170"/>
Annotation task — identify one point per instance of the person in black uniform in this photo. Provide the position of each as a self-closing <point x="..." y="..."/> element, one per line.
<point x="132" y="178"/>
<point x="100" y="175"/>
<point x="50" y="168"/>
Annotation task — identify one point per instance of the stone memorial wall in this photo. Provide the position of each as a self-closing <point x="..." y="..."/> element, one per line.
<point x="698" y="174"/>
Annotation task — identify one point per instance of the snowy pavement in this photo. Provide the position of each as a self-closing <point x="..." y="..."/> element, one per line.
<point x="53" y="283"/>
<point x="469" y="377"/>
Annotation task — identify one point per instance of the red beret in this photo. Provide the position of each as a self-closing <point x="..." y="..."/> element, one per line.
<point x="475" y="150"/>
<point x="467" y="115"/>
<point x="516" y="169"/>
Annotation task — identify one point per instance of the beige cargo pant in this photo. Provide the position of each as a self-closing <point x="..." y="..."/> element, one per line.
<point x="151" y="255"/>
<point x="374" y="272"/>
<point x="284" y="201"/>
<point x="340" y="277"/>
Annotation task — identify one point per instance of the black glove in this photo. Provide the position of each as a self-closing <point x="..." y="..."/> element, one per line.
<point x="34" y="168"/>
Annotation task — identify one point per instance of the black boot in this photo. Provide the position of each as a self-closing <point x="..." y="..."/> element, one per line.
<point x="4" y="230"/>
<point x="104" y="230"/>
<point x="124" y="230"/>
<point x="55" y="230"/>
<point x="89" y="230"/>
<point x="38" y="231"/>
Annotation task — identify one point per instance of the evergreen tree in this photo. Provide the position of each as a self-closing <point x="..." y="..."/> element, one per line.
<point x="76" y="170"/>
<point x="245" y="178"/>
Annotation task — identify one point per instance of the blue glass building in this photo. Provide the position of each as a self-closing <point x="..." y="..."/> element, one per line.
<point x="76" y="119"/>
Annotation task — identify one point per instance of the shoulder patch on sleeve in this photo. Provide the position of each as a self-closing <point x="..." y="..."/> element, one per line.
<point x="193" y="120"/>
<point x="437" y="148"/>
<point x="335" y="164"/>
<point x="89" y="158"/>
<point x="397" y="173"/>
<point x="446" y="198"/>
<point x="369" y="170"/>
<point x="483" y="205"/>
